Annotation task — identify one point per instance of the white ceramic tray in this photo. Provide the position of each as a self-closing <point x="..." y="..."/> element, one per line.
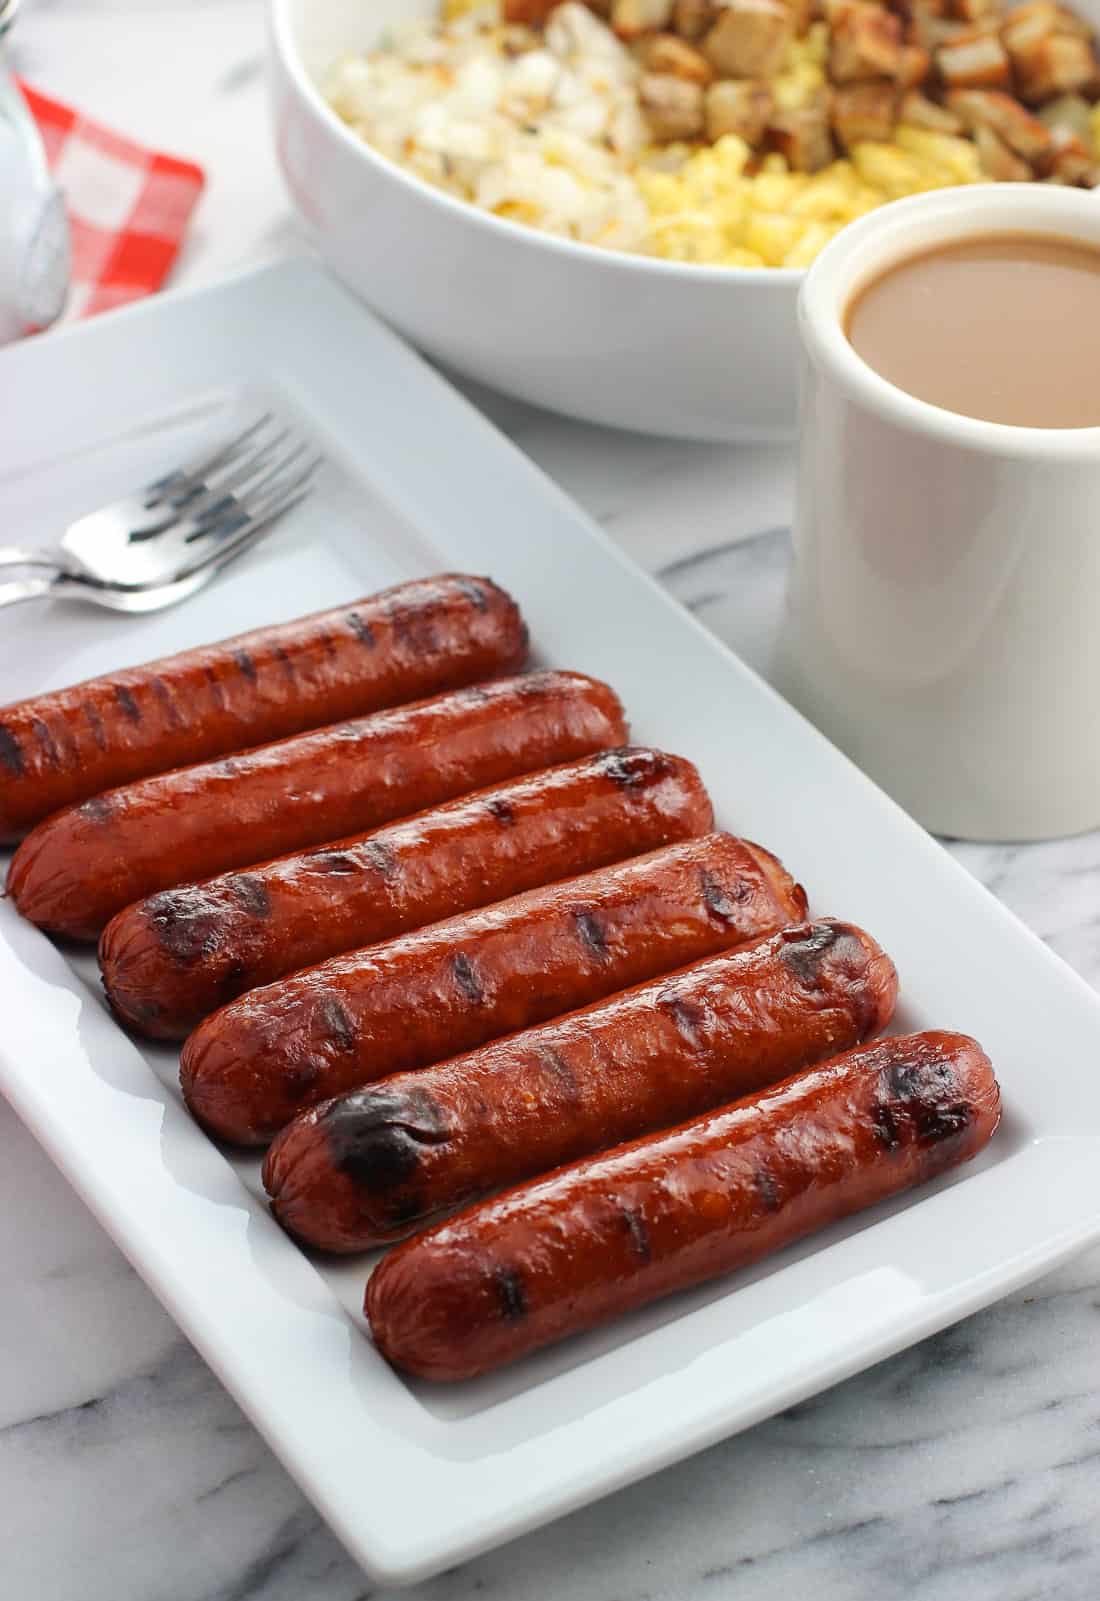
<point x="414" y="1478"/>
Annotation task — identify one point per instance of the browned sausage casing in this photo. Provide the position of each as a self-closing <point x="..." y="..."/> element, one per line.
<point x="615" y="1232"/>
<point x="81" y="866"/>
<point x="169" y="961"/>
<point x="255" y="1064"/>
<point x="371" y="1167"/>
<point x="414" y="640"/>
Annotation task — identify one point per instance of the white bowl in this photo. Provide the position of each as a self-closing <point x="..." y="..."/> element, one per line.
<point x="699" y="352"/>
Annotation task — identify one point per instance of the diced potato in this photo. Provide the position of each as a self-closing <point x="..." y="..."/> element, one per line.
<point x="672" y="107"/>
<point x="738" y="256"/>
<point x="631" y="18"/>
<point x="865" y="43"/>
<point x="665" y="53"/>
<point x="738" y="106"/>
<point x="998" y="161"/>
<point x="1009" y="120"/>
<point x="974" y="63"/>
<point x="1070" y="160"/>
<point x="919" y="112"/>
<point x="974" y="10"/>
<point x="803" y="136"/>
<point x="914" y="65"/>
<point x="1055" y="65"/>
<point x="1095" y="119"/>
<point x="749" y="39"/>
<point x="692" y="18"/>
<point x="1069" y="111"/>
<point x="863" y="111"/>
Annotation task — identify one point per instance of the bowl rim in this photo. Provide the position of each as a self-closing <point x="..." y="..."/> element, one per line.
<point x="281" y="32"/>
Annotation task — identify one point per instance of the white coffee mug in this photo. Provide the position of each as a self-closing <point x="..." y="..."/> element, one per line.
<point x="943" y="614"/>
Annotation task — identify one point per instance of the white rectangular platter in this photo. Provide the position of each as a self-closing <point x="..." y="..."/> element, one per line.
<point x="412" y="1478"/>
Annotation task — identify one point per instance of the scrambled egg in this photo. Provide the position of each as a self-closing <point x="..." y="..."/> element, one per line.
<point x="710" y="210"/>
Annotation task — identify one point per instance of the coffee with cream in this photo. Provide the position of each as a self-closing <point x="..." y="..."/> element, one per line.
<point x="1003" y="327"/>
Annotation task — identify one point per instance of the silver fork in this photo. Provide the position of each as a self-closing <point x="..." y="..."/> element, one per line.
<point x="156" y="547"/>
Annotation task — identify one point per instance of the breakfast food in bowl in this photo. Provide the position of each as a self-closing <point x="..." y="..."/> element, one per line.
<point x="572" y="314"/>
<point x="741" y="134"/>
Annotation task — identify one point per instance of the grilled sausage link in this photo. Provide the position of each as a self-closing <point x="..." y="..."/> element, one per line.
<point x="408" y="642"/>
<point x="615" y="1232"/>
<point x="370" y="1167"/>
<point x="81" y="866"/>
<point x="255" y="1064"/>
<point x="169" y="961"/>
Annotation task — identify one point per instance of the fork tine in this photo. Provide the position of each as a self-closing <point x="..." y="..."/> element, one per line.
<point x="249" y="530"/>
<point x="224" y="517"/>
<point x="197" y="470"/>
<point x="199" y="502"/>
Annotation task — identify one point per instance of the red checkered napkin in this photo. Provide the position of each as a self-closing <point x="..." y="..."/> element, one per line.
<point x="128" y="207"/>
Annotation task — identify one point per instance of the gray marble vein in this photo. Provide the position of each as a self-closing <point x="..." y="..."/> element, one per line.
<point x="966" y="1469"/>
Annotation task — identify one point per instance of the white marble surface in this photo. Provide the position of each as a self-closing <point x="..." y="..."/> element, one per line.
<point x="967" y="1469"/>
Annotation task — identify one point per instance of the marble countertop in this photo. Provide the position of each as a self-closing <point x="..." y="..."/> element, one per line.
<point x="967" y="1469"/>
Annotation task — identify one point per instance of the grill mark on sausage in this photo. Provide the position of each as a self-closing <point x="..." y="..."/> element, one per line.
<point x="362" y="630"/>
<point x="501" y="809"/>
<point x="510" y="1292"/>
<point x="285" y="661"/>
<point x="251" y="894"/>
<point x="632" y="769"/>
<point x="334" y="1019"/>
<point x="164" y="695"/>
<point x="535" y="686"/>
<point x="95" y="723"/>
<point x="591" y="931"/>
<point x="639" y="1234"/>
<point x="375" y="1137"/>
<point x="935" y="1123"/>
<point x="723" y="900"/>
<point x="326" y="642"/>
<point x="11" y="753"/>
<point x="46" y="741"/>
<point x="414" y="626"/>
<point x="98" y="809"/>
<point x="300" y="1078"/>
<point x="186" y="928"/>
<point x="246" y="664"/>
<point x="129" y="705"/>
<point x="885" y="1126"/>
<point x="554" y="1062"/>
<point x="687" y="1015"/>
<point x="475" y="592"/>
<point x="767" y="1189"/>
<point x="467" y="980"/>
<point x="337" y="863"/>
<point x="216" y="688"/>
<point x="803" y="949"/>
<point x="381" y="858"/>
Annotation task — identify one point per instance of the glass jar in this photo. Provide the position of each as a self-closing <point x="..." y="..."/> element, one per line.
<point x="34" y="232"/>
